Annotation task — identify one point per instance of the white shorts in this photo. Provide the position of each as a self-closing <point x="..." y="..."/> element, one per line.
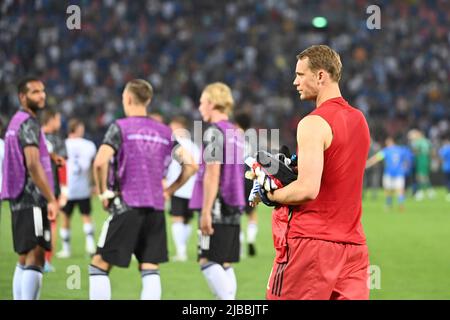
<point x="393" y="183"/>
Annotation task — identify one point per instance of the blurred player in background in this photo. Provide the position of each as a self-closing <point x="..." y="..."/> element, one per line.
<point x="51" y="125"/>
<point x="395" y="166"/>
<point x="219" y="192"/>
<point x="80" y="155"/>
<point x="243" y="121"/>
<point x="180" y="212"/>
<point x="444" y="154"/>
<point x="140" y="148"/>
<point x="409" y="169"/>
<point x="372" y="176"/>
<point x="156" y="116"/>
<point x="421" y="147"/>
<point x="323" y="252"/>
<point x="2" y="156"/>
<point x="28" y="185"/>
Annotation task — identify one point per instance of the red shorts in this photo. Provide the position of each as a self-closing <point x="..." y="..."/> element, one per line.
<point x="320" y="270"/>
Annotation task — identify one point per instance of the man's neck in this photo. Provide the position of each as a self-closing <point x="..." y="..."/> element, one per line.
<point x="138" y="111"/>
<point x="217" y="116"/>
<point x="330" y="92"/>
<point x="28" y="110"/>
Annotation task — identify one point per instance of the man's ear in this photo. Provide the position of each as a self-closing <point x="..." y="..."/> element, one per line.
<point x="321" y="76"/>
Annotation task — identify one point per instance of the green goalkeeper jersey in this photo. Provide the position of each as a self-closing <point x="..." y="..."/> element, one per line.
<point x="422" y="149"/>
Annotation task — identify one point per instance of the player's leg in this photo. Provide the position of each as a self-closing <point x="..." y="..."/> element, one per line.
<point x="252" y="224"/>
<point x="310" y="272"/>
<point x="64" y="231"/>
<point x="388" y="190"/>
<point x="178" y="227"/>
<point x="229" y="270"/>
<point x="353" y="282"/>
<point x="32" y="274"/>
<point x="150" y="251"/>
<point x="115" y="247"/>
<point x="88" y="227"/>
<point x="400" y="191"/>
<point x="421" y="181"/>
<point x="430" y="190"/>
<point x="49" y="254"/>
<point x="187" y="218"/>
<point x="151" y="281"/>
<point x="99" y="284"/>
<point x="447" y="175"/>
<point x="252" y="231"/>
<point x="215" y="250"/>
<point x="31" y="238"/>
<point x="17" y="278"/>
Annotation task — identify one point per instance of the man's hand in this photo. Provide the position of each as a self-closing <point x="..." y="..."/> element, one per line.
<point x="266" y="197"/>
<point x="254" y="199"/>
<point x="167" y="194"/>
<point x="105" y="204"/>
<point x="265" y="180"/>
<point x="206" y="223"/>
<point x="60" y="161"/>
<point x="52" y="210"/>
<point x="106" y="197"/>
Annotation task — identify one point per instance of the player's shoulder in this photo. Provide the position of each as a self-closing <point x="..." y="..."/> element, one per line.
<point x="160" y="126"/>
<point x="312" y="122"/>
<point x="31" y="123"/>
<point x="86" y="144"/>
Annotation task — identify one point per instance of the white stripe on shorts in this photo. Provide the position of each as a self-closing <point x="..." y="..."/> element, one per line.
<point x="37" y="219"/>
<point x="204" y="240"/>
<point x="102" y="238"/>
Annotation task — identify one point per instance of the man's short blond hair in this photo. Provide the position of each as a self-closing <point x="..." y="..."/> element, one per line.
<point x="219" y="94"/>
<point x="141" y="90"/>
<point x="323" y="57"/>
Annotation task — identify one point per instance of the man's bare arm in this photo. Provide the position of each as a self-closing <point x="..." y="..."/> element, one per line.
<point x="211" y="181"/>
<point x="100" y="168"/>
<point x="188" y="169"/>
<point x="313" y="136"/>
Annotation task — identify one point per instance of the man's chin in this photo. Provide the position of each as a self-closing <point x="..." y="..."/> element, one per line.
<point x="306" y="98"/>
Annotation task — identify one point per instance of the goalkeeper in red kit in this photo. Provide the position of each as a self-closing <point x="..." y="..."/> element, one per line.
<point x="320" y="243"/>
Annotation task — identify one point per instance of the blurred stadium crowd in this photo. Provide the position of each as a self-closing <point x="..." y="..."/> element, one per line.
<point x="398" y="76"/>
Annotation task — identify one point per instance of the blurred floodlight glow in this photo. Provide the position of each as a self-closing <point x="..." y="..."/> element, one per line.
<point x="319" y="22"/>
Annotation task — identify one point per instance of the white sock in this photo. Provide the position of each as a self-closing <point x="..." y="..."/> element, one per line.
<point x="65" y="236"/>
<point x="151" y="285"/>
<point x="241" y="244"/>
<point x="217" y="280"/>
<point x="88" y="229"/>
<point x="99" y="285"/>
<point x="31" y="283"/>
<point x="178" y="237"/>
<point x="187" y="232"/>
<point x="252" y="231"/>
<point x="17" y="282"/>
<point x="232" y="280"/>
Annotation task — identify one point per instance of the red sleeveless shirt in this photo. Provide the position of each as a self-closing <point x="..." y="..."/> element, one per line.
<point x="335" y="215"/>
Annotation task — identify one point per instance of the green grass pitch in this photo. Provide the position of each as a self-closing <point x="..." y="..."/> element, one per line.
<point x="410" y="252"/>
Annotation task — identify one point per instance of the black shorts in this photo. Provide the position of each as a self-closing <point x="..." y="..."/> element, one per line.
<point x="83" y="204"/>
<point x="141" y="231"/>
<point x="179" y="207"/>
<point x="222" y="246"/>
<point x="30" y="227"/>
